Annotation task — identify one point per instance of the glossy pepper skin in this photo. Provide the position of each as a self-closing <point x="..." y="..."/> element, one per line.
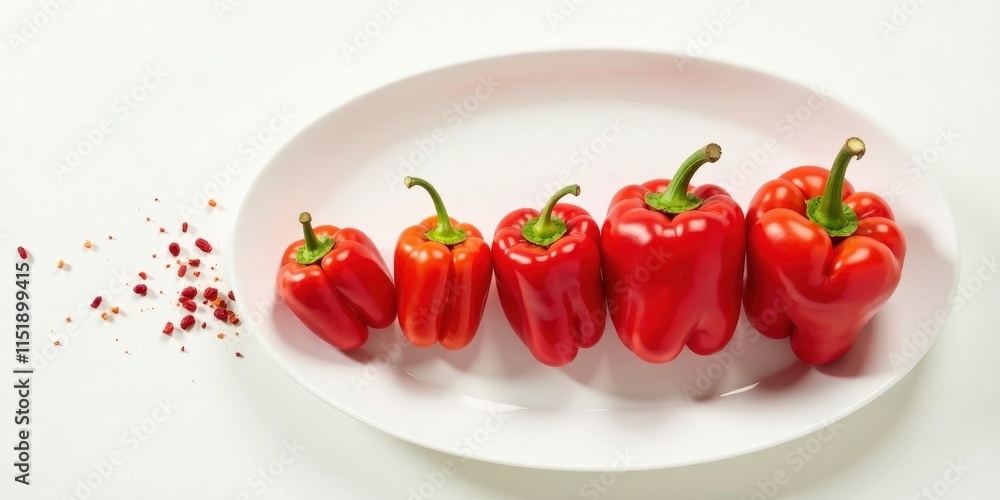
<point x="821" y="260"/>
<point x="548" y="270"/>
<point x="335" y="281"/>
<point x="443" y="271"/>
<point x="673" y="264"/>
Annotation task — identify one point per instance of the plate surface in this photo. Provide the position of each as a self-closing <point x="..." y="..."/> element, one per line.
<point x="498" y="134"/>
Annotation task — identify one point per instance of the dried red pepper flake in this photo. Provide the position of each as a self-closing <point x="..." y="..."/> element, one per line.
<point x="22" y="252"/>
<point x="96" y="302"/>
<point x="175" y="249"/>
<point x="187" y="322"/>
<point x="197" y="274"/>
<point x="140" y="289"/>
<point x="234" y="319"/>
<point x="190" y="305"/>
<point x="212" y="203"/>
<point x="184" y="227"/>
<point x="181" y="271"/>
<point x="163" y="230"/>
<point x="168" y="329"/>
<point x="104" y="316"/>
<point x="220" y="303"/>
<point x="221" y="335"/>
<point x="239" y="354"/>
<point x="194" y="262"/>
<point x="143" y="275"/>
<point x="189" y="292"/>
<point x="115" y="309"/>
<point x="87" y="244"/>
<point x="221" y="314"/>
<point x="211" y="293"/>
<point x="60" y="264"/>
<point x="231" y="296"/>
<point x="204" y="325"/>
<point x="182" y="349"/>
<point x="203" y="245"/>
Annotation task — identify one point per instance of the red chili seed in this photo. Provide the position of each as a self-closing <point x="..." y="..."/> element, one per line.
<point x="22" y="252"/>
<point x="190" y="305"/>
<point x="203" y="245"/>
<point x="187" y="322"/>
<point x="175" y="249"/>
<point x="194" y="262"/>
<point x="189" y="292"/>
<point x="239" y="354"/>
<point x="211" y="293"/>
<point x="167" y="330"/>
<point x="143" y="275"/>
<point x="221" y="314"/>
<point x="231" y="296"/>
<point x="181" y="271"/>
<point x="184" y="227"/>
<point x="140" y="289"/>
<point x="96" y="302"/>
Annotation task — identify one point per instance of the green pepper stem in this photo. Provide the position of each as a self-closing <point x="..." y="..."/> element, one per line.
<point x="830" y="213"/>
<point x="315" y="247"/>
<point x="444" y="232"/>
<point x="676" y="198"/>
<point x="545" y="229"/>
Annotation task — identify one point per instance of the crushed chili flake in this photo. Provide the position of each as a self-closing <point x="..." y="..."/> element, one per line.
<point x="110" y="237"/>
<point x="60" y="264"/>
<point x="184" y="227"/>
<point x="22" y="252"/>
<point x="140" y="289"/>
<point x="189" y="292"/>
<point x="211" y="293"/>
<point x="231" y="296"/>
<point x="69" y="319"/>
<point x="96" y="302"/>
<point x="204" y="325"/>
<point x="221" y="335"/>
<point x="221" y="314"/>
<point x="239" y="354"/>
<point x="87" y="244"/>
<point x="181" y="271"/>
<point x="104" y="316"/>
<point x="174" y="249"/>
<point x="168" y="329"/>
<point x="143" y="275"/>
<point x="187" y="322"/>
<point x="194" y="262"/>
<point x="234" y="319"/>
<point x="115" y="309"/>
<point x="203" y="245"/>
<point x="212" y="203"/>
<point x="197" y="274"/>
<point x="190" y="305"/>
<point x="56" y="342"/>
<point x="182" y="349"/>
<point x="215" y="278"/>
<point x="147" y="219"/>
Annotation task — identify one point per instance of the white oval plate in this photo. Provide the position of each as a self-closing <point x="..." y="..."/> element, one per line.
<point x="495" y="135"/>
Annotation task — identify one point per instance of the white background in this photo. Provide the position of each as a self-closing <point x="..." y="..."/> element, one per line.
<point x="224" y="73"/>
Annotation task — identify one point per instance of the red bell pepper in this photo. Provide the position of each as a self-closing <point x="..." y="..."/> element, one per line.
<point x="337" y="284"/>
<point x="673" y="264"/>
<point x="821" y="260"/>
<point x="548" y="269"/>
<point x="443" y="271"/>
